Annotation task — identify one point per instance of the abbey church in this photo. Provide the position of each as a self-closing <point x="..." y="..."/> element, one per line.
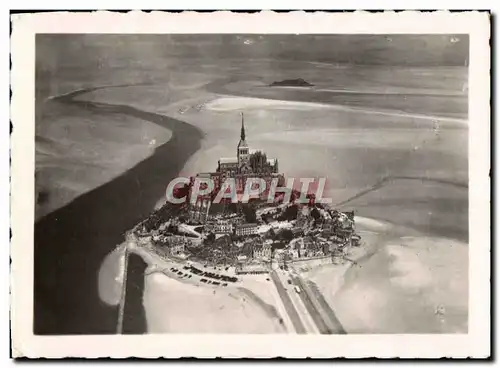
<point x="247" y="161"/>
<point x="247" y="164"/>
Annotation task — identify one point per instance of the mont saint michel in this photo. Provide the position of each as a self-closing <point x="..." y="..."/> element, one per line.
<point x="162" y="173"/>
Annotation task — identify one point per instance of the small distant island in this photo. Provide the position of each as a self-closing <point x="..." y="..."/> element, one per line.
<point x="292" y="83"/>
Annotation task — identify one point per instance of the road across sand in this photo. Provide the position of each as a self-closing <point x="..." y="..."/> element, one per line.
<point x="311" y="309"/>
<point x="297" y="301"/>
<point x="287" y="302"/>
<point x="323" y="316"/>
<point x="335" y="325"/>
<point x="121" y="311"/>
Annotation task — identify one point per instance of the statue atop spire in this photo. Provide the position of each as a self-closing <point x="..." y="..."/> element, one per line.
<point x="242" y="127"/>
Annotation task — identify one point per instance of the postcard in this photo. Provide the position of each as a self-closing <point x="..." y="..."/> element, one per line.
<point x="250" y="185"/>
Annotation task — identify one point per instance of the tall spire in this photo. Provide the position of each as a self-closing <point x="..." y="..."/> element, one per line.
<point x="242" y="127"/>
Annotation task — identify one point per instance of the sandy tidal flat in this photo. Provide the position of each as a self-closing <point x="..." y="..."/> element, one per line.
<point x="238" y="103"/>
<point x="174" y="307"/>
<point x="77" y="151"/>
<point x="431" y="207"/>
<point x="416" y="284"/>
<point x="111" y="272"/>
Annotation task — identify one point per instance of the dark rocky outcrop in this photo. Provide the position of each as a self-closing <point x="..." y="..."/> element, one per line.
<point x="299" y="82"/>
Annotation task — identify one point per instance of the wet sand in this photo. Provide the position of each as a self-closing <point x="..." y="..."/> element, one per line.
<point x="441" y="104"/>
<point x="90" y="228"/>
<point x="111" y="276"/>
<point x="158" y="301"/>
<point x="400" y="283"/>
<point x="176" y="307"/>
<point x="411" y="285"/>
<point x="71" y="242"/>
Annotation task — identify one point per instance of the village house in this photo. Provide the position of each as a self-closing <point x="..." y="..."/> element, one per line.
<point x="223" y="227"/>
<point x="176" y="244"/>
<point x="262" y="251"/>
<point x="246" y="229"/>
<point x="297" y="231"/>
<point x="242" y="258"/>
<point x="329" y="228"/>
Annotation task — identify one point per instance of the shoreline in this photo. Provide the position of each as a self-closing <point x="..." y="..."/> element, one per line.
<point x="219" y="87"/>
<point x="337" y="273"/>
<point x="71" y="242"/>
<point x="238" y="296"/>
<point x="401" y="252"/>
<point x="256" y="101"/>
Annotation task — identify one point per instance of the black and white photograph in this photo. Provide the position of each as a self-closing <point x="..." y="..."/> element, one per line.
<point x="253" y="183"/>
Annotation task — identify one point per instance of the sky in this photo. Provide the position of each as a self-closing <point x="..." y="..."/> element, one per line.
<point x="66" y="62"/>
<point x="402" y="50"/>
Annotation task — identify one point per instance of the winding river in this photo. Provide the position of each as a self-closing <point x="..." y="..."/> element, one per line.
<point x="71" y="242"/>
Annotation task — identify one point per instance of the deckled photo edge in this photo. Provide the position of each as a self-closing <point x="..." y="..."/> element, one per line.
<point x="25" y="343"/>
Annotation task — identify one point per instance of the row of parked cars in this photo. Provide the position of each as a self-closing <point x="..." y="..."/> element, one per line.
<point x="188" y="276"/>
<point x="211" y="274"/>
<point x="205" y="281"/>
<point x="180" y="273"/>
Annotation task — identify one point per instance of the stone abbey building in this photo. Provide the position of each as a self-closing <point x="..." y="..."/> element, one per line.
<point x="248" y="163"/>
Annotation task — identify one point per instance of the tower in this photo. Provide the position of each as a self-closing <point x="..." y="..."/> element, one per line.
<point x="242" y="150"/>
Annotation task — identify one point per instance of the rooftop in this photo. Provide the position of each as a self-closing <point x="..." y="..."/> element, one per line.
<point x="228" y="160"/>
<point x="247" y="225"/>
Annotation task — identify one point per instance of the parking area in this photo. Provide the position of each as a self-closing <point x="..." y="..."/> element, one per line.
<point x="210" y="275"/>
<point x="191" y="273"/>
